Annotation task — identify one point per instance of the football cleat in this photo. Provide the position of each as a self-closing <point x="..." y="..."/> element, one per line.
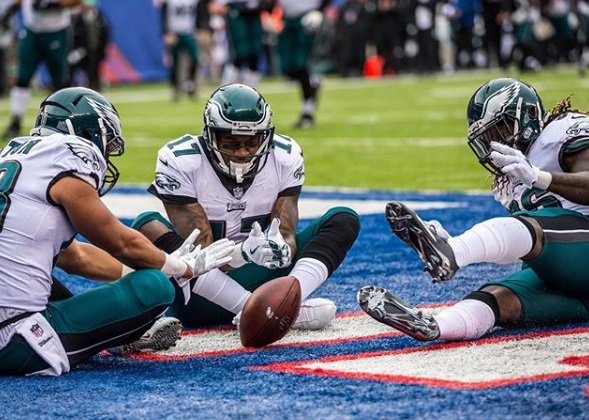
<point x="13" y="130"/>
<point x="306" y="121"/>
<point x="433" y="250"/>
<point x="162" y="335"/>
<point x="315" y="314"/>
<point x="383" y="306"/>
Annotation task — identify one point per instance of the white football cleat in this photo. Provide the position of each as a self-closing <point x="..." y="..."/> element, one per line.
<point x="162" y="335"/>
<point x="315" y="314"/>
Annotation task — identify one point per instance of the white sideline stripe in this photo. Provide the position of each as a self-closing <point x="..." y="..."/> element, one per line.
<point x="128" y="206"/>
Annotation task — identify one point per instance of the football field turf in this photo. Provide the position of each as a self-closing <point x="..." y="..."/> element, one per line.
<point x="395" y="139"/>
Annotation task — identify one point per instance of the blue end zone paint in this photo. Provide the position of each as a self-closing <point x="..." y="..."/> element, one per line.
<point x="227" y="387"/>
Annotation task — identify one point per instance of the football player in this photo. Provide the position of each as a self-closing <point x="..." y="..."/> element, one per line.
<point x="44" y="38"/>
<point x="245" y="36"/>
<point x="240" y="180"/>
<point x="179" y="27"/>
<point x="303" y="19"/>
<point x="540" y="164"/>
<point x="51" y="184"/>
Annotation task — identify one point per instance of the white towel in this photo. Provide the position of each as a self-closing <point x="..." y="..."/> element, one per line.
<point x="46" y="343"/>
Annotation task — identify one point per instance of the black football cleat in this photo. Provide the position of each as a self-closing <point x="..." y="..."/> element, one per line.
<point x="433" y="250"/>
<point x="381" y="305"/>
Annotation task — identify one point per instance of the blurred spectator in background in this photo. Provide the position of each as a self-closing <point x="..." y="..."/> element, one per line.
<point x="91" y="36"/>
<point x="427" y="60"/>
<point x="580" y="9"/>
<point x="390" y="24"/>
<point x="529" y="31"/>
<point x="44" y="38"/>
<point x="246" y="38"/>
<point x="208" y="68"/>
<point x="462" y="15"/>
<point x="353" y="31"/>
<point x="560" y="47"/>
<point x="7" y="35"/>
<point x="494" y="17"/>
<point x="303" y="19"/>
<point x="179" y="19"/>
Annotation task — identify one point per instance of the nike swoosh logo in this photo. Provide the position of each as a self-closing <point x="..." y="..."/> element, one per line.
<point x="254" y="250"/>
<point x="165" y="162"/>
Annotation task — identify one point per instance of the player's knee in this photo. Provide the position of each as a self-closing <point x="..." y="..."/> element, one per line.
<point x="345" y="224"/>
<point x="508" y="307"/>
<point x="151" y="288"/>
<point x="335" y="236"/>
<point x="152" y="225"/>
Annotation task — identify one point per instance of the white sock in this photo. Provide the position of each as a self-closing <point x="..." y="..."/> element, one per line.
<point x="469" y="319"/>
<point x="311" y="273"/>
<point x="19" y="99"/>
<point x="502" y="240"/>
<point x="221" y="289"/>
<point x="308" y="107"/>
<point x="230" y="74"/>
<point x="250" y="77"/>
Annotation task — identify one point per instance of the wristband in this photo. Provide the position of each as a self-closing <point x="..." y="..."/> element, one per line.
<point x="237" y="257"/>
<point x="544" y="180"/>
<point x="174" y="267"/>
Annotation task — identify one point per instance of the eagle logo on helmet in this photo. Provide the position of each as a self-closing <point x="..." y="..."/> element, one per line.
<point x="498" y="102"/>
<point x="86" y="154"/>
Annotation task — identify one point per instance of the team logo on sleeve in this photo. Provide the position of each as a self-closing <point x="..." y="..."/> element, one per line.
<point x="300" y="172"/>
<point x="166" y="182"/>
<point x="86" y="154"/>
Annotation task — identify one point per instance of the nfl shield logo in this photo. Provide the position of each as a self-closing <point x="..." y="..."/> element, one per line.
<point x="237" y="192"/>
<point x="37" y="330"/>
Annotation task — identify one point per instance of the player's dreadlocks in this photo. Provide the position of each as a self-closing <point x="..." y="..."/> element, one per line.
<point x="562" y="107"/>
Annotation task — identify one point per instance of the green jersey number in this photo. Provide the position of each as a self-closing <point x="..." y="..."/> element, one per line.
<point x="9" y="172"/>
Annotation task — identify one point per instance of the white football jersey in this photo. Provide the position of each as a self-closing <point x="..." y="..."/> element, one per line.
<point x="50" y="20"/>
<point x="33" y="229"/>
<point x="184" y="174"/>
<point x="568" y="133"/>
<point x="296" y="8"/>
<point x="181" y="16"/>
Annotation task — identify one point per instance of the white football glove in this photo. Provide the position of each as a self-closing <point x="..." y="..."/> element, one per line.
<point x="255" y="248"/>
<point x="281" y="252"/>
<point x="438" y="229"/>
<point x="202" y="260"/>
<point x="264" y="249"/>
<point x="312" y="21"/>
<point x="516" y="166"/>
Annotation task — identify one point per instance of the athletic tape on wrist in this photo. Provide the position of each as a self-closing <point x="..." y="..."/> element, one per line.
<point x="544" y="180"/>
<point x="174" y="267"/>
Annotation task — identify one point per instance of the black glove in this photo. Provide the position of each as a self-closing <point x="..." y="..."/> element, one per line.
<point x="46" y="4"/>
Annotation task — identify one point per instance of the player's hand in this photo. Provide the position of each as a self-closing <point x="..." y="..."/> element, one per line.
<point x="312" y="21"/>
<point x="201" y="260"/>
<point x="281" y="252"/>
<point x="256" y="249"/>
<point x="46" y="4"/>
<point x="516" y="166"/>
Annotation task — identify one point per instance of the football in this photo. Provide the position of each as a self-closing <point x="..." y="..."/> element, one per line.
<point x="270" y="312"/>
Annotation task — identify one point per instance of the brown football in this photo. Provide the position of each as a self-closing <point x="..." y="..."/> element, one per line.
<point x="270" y="312"/>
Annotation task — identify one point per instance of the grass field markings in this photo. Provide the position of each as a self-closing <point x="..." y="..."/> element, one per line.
<point x="128" y="206"/>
